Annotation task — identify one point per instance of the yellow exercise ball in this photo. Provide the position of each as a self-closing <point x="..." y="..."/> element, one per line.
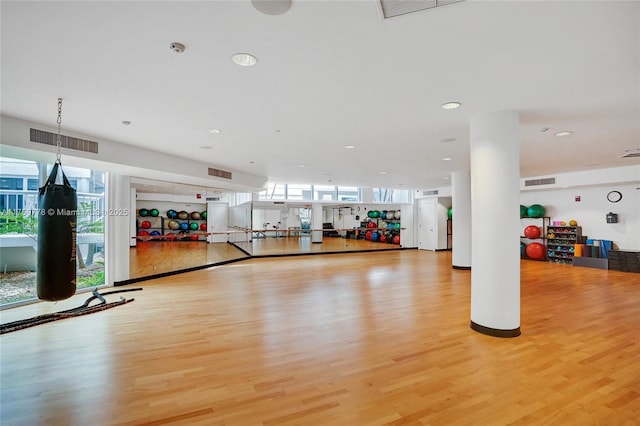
<point x="573" y="222"/>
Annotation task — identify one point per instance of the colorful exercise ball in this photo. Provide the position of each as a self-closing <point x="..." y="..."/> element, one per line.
<point x="154" y="212"/>
<point x="532" y="231"/>
<point x="142" y="233"/>
<point x="203" y="215"/>
<point x="573" y="222"/>
<point x="523" y="210"/>
<point x="143" y="212"/>
<point x="450" y="213"/>
<point x="383" y="238"/>
<point x="370" y="213"/>
<point x="391" y="214"/>
<point x="172" y="214"/>
<point x="396" y="225"/>
<point x="173" y="225"/>
<point x="535" y="251"/>
<point x="383" y="214"/>
<point x="535" y="210"/>
<point x="375" y="236"/>
<point x="203" y="226"/>
<point x="145" y="224"/>
<point x="184" y="226"/>
<point x="396" y="214"/>
<point x="372" y="225"/>
<point x="367" y="236"/>
<point x="396" y="239"/>
<point x="390" y="226"/>
<point x="183" y="215"/>
<point x="154" y="233"/>
<point x="195" y="215"/>
<point x="193" y="226"/>
<point x="193" y="237"/>
<point x="375" y="213"/>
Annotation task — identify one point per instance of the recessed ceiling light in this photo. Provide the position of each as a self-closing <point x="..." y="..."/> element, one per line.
<point x="451" y="105"/>
<point x="383" y="173"/>
<point x="126" y="122"/>
<point x="563" y="133"/>
<point x="244" y="59"/>
<point x="214" y="131"/>
<point x="447" y="140"/>
<point x="446" y="159"/>
<point x="445" y="177"/>
<point x="206" y="147"/>
<point x="302" y="166"/>
<point x="349" y="146"/>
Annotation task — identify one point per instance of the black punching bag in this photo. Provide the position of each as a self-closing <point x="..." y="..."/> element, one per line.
<point x="58" y="209"/>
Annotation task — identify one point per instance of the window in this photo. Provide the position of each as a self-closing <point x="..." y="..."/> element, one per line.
<point x="19" y="225"/>
<point x="387" y="195"/>
<point x="299" y="192"/>
<point x="273" y="192"/>
<point x="324" y="193"/>
<point x="349" y="193"/>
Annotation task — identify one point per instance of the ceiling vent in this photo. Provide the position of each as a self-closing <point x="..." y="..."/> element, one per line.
<point x="48" y="138"/>
<point x="432" y="192"/>
<point x="219" y="173"/>
<point x="535" y="182"/>
<point x="213" y="198"/>
<point x="393" y="8"/>
<point x="631" y="153"/>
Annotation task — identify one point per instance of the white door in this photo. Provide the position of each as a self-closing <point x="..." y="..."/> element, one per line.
<point x="217" y="221"/>
<point x="427" y="224"/>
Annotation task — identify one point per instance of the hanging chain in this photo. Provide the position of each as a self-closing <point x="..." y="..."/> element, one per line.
<point x="58" y="141"/>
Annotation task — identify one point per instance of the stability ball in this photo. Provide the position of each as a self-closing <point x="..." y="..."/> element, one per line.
<point x="155" y="233"/>
<point x="143" y="212"/>
<point x="396" y="214"/>
<point x="375" y="236"/>
<point x="195" y="215"/>
<point x="173" y="225"/>
<point x="383" y="238"/>
<point x="172" y="214"/>
<point x="193" y="237"/>
<point x="203" y="215"/>
<point x="372" y="225"/>
<point x="193" y="226"/>
<point x="396" y="239"/>
<point x="450" y="213"/>
<point x="370" y="213"/>
<point x="184" y="226"/>
<point x="203" y="226"/>
<point x="573" y="222"/>
<point x="145" y="224"/>
<point x="523" y="210"/>
<point x="142" y="233"/>
<point x="535" y="251"/>
<point x="535" y="210"/>
<point x="383" y="214"/>
<point x="532" y="232"/>
<point x="183" y="215"/>
<point x="367" y="236"/>
<point x="154" y="212"/>
<point x="391" y="214"/>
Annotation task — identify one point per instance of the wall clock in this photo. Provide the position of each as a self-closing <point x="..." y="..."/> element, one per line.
<point x="614" y="196"/>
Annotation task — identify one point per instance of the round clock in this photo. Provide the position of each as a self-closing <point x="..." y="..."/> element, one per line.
<point x="614" y="196"/>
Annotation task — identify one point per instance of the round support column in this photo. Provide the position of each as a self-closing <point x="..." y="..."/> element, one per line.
<point x="495" y="224"/>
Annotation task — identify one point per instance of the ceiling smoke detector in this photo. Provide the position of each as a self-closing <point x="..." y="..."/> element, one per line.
<point x="177" y="47"/>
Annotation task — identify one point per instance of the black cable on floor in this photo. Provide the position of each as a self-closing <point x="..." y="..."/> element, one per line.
<point x="83" y="309"/>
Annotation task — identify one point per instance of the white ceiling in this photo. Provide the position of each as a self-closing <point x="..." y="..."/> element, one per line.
<point x="330" y="74"/>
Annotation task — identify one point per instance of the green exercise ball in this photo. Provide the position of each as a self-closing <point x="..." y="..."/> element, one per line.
<point x="535" y="210"/>
<point x="523" y="211"/>
<point x="450" y="213"/>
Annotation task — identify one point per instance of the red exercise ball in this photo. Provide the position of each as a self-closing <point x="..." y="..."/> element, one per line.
<point x="203" y="226"/>
<point x="535" y="251"/>
<point x="396" y="239"/>
<point x="532" y="231"/>
<point x="146" y="224"/>
<point x="193" y="237"/>
<point x="143" y="233"/>
<point x="372" y="225"/>
<point x="367" y="236"/>
<point x="383" y="238"/>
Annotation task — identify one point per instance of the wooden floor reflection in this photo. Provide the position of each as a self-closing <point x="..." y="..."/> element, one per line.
<point x="151" y="258"/>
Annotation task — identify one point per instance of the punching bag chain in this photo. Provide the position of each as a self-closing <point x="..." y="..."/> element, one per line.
<point x="58" y="142"/>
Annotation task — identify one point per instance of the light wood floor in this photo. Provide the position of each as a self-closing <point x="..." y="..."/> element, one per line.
<point x="351" y="339"/>
<point x="156" y="257"/>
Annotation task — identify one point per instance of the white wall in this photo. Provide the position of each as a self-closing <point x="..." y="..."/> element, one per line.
<point x="591" y="210"/>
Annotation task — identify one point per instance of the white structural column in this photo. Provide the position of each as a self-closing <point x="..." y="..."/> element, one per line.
<point x="495" y="224"/>
<point x="316" y="222"/>
<point x="117" y="227"/>
<point x="461" y="219"/>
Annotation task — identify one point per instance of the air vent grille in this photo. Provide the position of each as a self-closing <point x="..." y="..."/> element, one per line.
<point x="535" y="182"/>
<point x="631" y="153"/>
<point x="213" y="198"/>
<point x="48" y="138"/>
<point x="393" y="8"/>
<point x="432" y="192"/>
<point x="219" y="173"/>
